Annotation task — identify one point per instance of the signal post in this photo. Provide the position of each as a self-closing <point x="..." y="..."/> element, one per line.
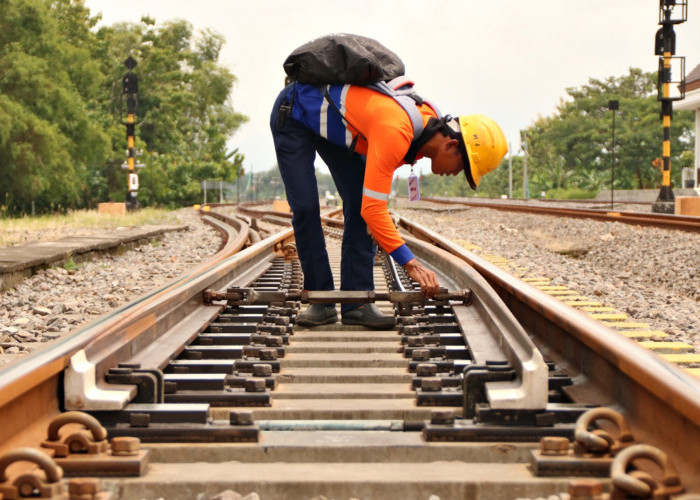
<point x="671" y="12"/>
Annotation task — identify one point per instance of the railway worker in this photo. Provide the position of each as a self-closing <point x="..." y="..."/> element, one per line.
<point x="362" y="149"/>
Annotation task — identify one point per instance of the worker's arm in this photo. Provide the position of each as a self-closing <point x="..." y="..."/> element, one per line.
<point x="425" y="277"/>
<point x="379" y="174"/>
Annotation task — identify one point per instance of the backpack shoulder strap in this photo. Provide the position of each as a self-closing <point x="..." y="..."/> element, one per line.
<point x="401" y="90"/>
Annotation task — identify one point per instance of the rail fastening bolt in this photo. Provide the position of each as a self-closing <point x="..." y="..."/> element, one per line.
<point x="84" y="488"/>
<point x="262" y="370"/>
<point x="426" y="370"/>
<point x="254" y="385"/>
<point x="586" y="489"/>
<point x="432" y="384"/>
<point x="421" y="355"/>
<point x="268" y="354"/>
<point x="416" y="342"/>
<point x="125" y="446"/>
<point x="442" y="417"/>
<point x="554" y="446"/>
<point x="241" y="418"/>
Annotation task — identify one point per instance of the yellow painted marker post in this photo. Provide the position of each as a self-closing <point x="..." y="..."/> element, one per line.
<point x="671" y="12"/>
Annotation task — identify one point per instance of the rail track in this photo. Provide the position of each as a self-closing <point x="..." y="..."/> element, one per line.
<point x="494" y="391"/>
<point x="667" y="221"/>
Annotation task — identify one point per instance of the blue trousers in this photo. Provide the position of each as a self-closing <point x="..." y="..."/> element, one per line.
<point x="296" y="147"/>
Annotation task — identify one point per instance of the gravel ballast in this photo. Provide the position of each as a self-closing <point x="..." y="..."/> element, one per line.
<point x="651" y="274"/>
<point x="57" y="300"/>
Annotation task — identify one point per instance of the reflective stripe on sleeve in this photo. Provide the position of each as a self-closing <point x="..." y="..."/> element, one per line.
<point x="375" y="194"/>
<point x="343" y="111"/>
<point x="323" y="123"/>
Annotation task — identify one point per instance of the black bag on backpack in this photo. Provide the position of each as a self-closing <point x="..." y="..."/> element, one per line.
<point x="343" y="58"/>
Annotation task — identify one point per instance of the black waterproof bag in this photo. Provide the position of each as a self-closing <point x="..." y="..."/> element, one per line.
<point x="343" y="58"/>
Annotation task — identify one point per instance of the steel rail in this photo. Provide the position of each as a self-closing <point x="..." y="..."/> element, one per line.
<point x="529" y="390"/>
<point x="145" y="325"/>
<point x="29" y="388"/>
<point x="661" y="401"/>
<point x="665" y="221"/>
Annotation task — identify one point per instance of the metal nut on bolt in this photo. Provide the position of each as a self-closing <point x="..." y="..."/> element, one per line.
<point x="241" y="418"/>
<point x="416" y="342"/>
<point x="125" y="446"/>
<point x="554" y="446"/>
<point x="262" y="370"/>
<point x="268" y="354"/>
<point x="254" y="385"/>
<point x="426" y="370"/>
<point x="273" y="342"/>
<point x="585" y="489"/>
<point x="421" y="355"/>
<point x="442" y="417"/>
<point x="431" y="384"/>
<point x="84" y="488"/>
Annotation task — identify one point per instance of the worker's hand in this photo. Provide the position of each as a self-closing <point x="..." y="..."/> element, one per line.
<point x="425" y="277"/>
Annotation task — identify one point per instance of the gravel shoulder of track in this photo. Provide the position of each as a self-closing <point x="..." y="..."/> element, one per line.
<point x="651" y="274"/>
<point x="57" y="300"/>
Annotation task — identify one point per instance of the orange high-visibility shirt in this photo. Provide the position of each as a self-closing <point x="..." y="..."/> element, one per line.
<point x="385" y="135"/>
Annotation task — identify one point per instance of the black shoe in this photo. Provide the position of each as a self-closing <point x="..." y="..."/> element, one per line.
<point x="369" y="315"/>
<point x="318" y="314"/>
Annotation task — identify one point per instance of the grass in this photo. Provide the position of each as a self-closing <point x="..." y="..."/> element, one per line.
<point x="15" y="231"/>
<point x="70" y="265"/>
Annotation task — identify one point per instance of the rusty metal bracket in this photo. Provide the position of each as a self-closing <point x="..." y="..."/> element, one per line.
<point x="591" y="453"/>
<point x="241" y="296"/>
<point x="86" y="452"/>
<point x="629" y="481"/>
<point x="46" y="482"/>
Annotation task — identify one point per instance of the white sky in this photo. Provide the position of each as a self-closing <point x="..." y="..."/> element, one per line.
<point x="509" y="59"/>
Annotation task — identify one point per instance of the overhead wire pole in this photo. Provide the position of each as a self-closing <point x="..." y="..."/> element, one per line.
<point x="671" y="12"/>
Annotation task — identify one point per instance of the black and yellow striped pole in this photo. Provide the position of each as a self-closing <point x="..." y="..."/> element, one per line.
<point x="130" y="89"/>
<point x="671" y="12"/>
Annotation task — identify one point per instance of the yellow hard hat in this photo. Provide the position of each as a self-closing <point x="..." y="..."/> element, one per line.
<point x="484" y="146"/>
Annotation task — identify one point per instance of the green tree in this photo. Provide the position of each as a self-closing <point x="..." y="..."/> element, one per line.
<point x="184" y="105"/>
<point x="48" y="131"/>
<point x="573" y="147"/>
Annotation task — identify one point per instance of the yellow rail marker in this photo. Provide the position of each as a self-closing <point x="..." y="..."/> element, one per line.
<point x="667" y="347"/>
<point x="582" y="303"/>
<point x="467" y="245"/>
<point x="610" y="316"/>
<point x="639" y="332"/>
<point x="644" y="334"/>
<point x="682" y="358"/>
<point x="626" y="324"/>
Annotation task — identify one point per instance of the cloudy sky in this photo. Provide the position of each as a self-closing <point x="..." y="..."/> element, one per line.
<point x="510" y="59"/>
